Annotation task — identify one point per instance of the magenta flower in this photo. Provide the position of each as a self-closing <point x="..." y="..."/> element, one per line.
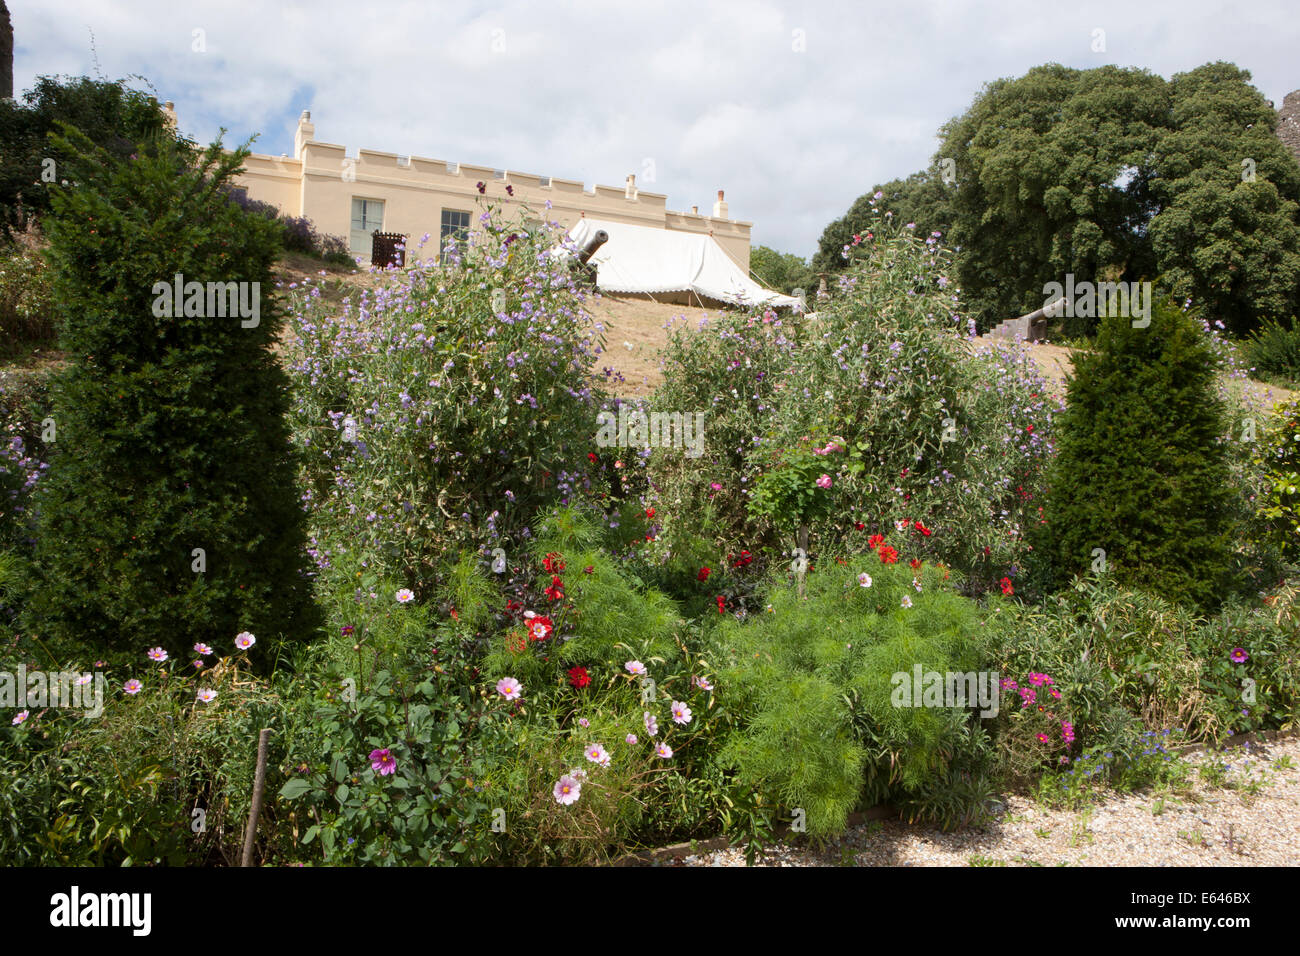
<point x="824" y="481"/>
<point x="133" y="686"/>
<point x="157" y="654"/>
<point x="22" y="715"/>
<point x="382" y="762"/>
<point x="202" y="649"/>
<point x="1239" y="655"/>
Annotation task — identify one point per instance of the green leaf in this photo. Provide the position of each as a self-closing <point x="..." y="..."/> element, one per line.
<point x="294" y="789"/>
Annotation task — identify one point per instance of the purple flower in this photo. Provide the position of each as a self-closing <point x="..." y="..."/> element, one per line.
<point x="1239" y="655"/>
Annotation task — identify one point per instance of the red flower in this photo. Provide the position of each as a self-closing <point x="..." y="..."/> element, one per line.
<point x="650" y="513"/>
<point x="888" y="555"/>
<point x="704" y="574"/>
<point x="1006" y="586"/>
<point x="591" y="457"/>
<point x="1030" y="429"/>
<point x="916" y="564"/>
<point x="556" y="591"/>
<point x="859" y="525"/>
<point x="589" y="569"/>
<point x="513" y="607"/>
<point x="875" y="541"/>
<point x="553" y="562"/>
<point x="454" y="615"/>
<point x="578" y="677"/>
<point x="744" y="559"/>
<point x="722" y="604"/>
<point x="540" y="627"/>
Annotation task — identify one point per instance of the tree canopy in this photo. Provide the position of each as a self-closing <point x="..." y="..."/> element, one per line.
<point x="1111" y="174"/>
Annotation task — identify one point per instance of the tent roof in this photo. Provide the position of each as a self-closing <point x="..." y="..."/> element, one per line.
<point x="639" y="259"/>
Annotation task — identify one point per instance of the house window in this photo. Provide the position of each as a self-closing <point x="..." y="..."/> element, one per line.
<point x="455" y="225"/>
<point x="367" y="216"/>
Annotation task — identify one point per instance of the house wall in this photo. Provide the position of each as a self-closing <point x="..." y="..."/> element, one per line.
<point x="321" y="181"/>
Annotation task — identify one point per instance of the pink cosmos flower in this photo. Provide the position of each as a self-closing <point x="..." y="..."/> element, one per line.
<point x="630" y="738"/>
<point x="84" y="679"/>
<point x="703" y="683"/>
<point x="133" y="686"/>
<point x="634" y="667"/>
<point x="244" y="640"/>
<point x="597" y="754"/>
<point x="864" y="580"/>
<point x="663" y="750"/>
<point x="907" y="601"/>
<point x="1239" y="655"/>
<point x="584" y="722"/>
<point x="509" y="688"/>
<point x="206" y="695"/>
<point x="22" y="715"/>
<point x="824" y="481"/>
<point x="202" y="649"/>
<point x="383" y="762"/>
<point x="681" y="713"/>
<point x="567" y="790"/>
<point x="1042" y="738"/>
<point x="651" y="724"/>
<point x="157" y="654"/>
<point x="405" y="596"/>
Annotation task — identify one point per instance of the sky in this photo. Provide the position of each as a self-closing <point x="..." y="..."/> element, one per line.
<point x="795" y="109"/>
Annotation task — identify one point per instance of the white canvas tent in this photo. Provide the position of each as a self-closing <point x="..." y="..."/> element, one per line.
<point x="645" y="261"/>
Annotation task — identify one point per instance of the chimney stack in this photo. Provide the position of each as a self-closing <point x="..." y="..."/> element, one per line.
<point x="305" y="133"/>
<point x="630" y="190"/>
<point x="720" y="207"/>
<point x="695" y="210"/>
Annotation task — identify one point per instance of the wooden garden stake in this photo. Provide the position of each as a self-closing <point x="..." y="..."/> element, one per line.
<point x="259" y="788"/>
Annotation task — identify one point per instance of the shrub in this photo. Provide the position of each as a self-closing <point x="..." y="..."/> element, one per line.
<point x="110" y="113"/>
<point x="26" y="300"/>
<point x="175" y="423"/>
<point x="879" y="394"/>
<point x="1274" y="350"/>
<point x="1142" y="472"/>
<point x="814" y="685"/>
<point x="442" y="410"/>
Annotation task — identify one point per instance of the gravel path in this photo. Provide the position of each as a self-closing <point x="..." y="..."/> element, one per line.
<point x="1253" y="819"/>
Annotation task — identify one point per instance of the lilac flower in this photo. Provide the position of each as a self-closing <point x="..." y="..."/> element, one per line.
<point x="651" y="724"/>
<point x="681" y="713"/>
<point x="663" y="750"/>
<point x="157" y="654"/>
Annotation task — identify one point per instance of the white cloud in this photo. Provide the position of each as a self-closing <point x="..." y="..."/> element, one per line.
<point x="713" y="91"/>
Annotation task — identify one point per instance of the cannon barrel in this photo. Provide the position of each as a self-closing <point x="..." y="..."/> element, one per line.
<point x="594" y="243"/>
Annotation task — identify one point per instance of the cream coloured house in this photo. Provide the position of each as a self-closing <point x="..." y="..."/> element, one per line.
<point x="355" y="196"/>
